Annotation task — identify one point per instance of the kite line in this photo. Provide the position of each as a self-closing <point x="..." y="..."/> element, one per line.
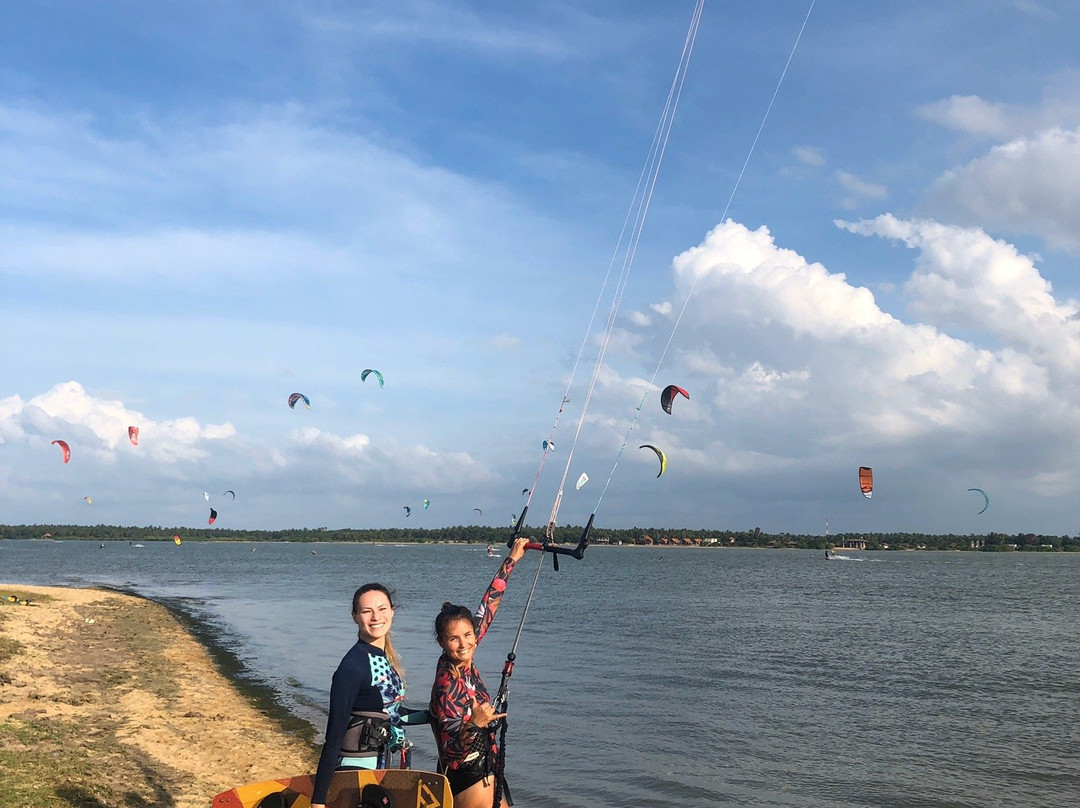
<point x="693" y="285"/>
<point x="627" y="244"/>
<point x="626" y="248"/>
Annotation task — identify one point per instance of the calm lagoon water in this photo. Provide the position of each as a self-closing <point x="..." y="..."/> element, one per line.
<point x="682" y="677"/>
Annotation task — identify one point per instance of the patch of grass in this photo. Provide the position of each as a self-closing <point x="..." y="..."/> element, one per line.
<point x="63" y="763"/>
<point x="9" y="648"/>
<point x="21" y="594"/>
<point x="36" y="757"/>
<point x="56" y="764"/>
<point x="123" y="647"/>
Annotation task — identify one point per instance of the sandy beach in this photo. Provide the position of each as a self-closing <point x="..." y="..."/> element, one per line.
<point x="106" y="700"/>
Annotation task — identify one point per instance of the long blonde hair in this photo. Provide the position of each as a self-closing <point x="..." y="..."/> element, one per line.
<point x="388" y="647"/>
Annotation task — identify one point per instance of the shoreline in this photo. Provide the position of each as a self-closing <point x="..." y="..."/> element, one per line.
<point x="110" y="698"/>
<point x="246" y="682"/>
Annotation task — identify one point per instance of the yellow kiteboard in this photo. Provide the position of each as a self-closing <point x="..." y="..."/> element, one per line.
<point x="391" y="788"/>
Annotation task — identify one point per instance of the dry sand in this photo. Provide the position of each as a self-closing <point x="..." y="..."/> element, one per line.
<point x="106" y="700"/>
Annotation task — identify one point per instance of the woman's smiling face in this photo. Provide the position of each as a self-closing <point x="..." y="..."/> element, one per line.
<point x="373" y="615"/>
<point x="459" y="642"/>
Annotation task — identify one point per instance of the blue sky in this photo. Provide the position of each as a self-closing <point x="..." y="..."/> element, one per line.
<point x="205" y="207"/>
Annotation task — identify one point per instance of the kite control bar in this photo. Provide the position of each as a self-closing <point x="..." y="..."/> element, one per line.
<point x="548" y="546"/>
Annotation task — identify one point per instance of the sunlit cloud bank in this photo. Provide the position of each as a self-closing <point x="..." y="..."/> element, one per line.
<point x="794" y="371"/>
<point x="964" y="277"/>
<point x="179" y="465"/>
<point x="99" y="427"/>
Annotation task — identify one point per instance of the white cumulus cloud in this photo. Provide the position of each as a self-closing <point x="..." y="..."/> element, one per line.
<point x="963" y="276"/>
<point x="99" y="426"/>
<point x="802" y="369"/>
<point x="1025" y="186"/>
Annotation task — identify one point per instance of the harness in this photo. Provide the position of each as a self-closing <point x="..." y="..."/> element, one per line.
<point x="481" y="755"/>
<point x="367" y="734"/>
<point x="482" y="760"/>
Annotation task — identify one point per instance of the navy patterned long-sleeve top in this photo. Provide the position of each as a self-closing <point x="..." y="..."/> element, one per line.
<point x="364" y="681"/>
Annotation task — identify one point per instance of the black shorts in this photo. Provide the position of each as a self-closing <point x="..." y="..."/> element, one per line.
<point x="466" y="775"/>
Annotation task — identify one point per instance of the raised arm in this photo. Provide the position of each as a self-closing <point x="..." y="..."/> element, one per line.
<point x="493" y="596"/>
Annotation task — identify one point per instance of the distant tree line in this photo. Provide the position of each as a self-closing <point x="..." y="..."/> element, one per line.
<point x="569" y="535"/>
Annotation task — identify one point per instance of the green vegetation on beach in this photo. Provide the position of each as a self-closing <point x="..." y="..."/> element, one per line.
<point x="107" y="700"/>
<point x="48" y="763"/>
<point x="477" y="534"/>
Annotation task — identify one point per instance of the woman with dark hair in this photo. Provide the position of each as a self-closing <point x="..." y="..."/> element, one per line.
<point x="367" y="696"/>
<point x="461" y="711"/>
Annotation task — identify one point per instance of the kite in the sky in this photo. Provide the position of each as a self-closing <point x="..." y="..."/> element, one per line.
<point x="549" y="446"/>
<point x="299" y="397"/>
<point x="584" y="478"/>
<point x="213" y="516"/>
<point x="64" y="449"/>
<point x="206" y="495"/>
<point x="368" y="371"/>
<point x="230" y="493"/>
<point x="866" y="481"/>
<point x="408" y="510"/>
<point x="986" y="504"/>
<point x="669" y="394"/>
<point x="89" y="500"/>
<point x="479" y="511"/>
<point x="427" y="503"/>
<point x="524" y="491"/>
<point x="133" y="435"/>
<point x="659" y="454"/>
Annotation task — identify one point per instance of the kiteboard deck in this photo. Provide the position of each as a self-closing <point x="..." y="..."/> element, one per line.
<point x="406" y="788"/>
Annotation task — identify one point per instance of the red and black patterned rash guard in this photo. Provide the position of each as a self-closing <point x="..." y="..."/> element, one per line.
<point x="453" y="691"/>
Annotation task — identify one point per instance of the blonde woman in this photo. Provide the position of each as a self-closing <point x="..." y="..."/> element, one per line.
<point x="367" y="696"/>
